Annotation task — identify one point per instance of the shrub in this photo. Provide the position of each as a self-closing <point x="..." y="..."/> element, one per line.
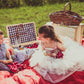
<point x="9" y="3"/>
<point x="35" y="2"/>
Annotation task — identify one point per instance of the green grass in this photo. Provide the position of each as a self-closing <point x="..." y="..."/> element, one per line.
<point x="39" y="14"/>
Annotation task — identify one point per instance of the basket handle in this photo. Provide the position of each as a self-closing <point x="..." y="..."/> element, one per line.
<point x="66" y="6"/>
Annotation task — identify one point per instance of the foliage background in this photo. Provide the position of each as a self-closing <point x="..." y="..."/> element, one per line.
<point x="22" y="11"/>
<point x="18" y="3"/>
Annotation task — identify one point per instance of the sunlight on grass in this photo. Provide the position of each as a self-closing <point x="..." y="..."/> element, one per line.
<point x="39" y="14"/>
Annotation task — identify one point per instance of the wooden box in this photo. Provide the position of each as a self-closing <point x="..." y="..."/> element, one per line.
<point x="21" y="34"/>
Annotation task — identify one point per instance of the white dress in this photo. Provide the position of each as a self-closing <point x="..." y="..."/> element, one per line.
<point x="56" y="70"/>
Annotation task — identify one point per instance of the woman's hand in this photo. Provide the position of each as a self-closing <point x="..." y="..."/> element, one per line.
<point x="7" y="61"/>
<point x="3" y="61"/>
<point x="60" y="46"/>
<point x="10" y="60"/>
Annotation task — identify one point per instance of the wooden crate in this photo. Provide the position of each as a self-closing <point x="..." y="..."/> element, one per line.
<point x="75" y="32"/>
<point x="21" y="34"/>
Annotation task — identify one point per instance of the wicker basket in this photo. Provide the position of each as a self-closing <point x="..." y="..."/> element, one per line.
<point x="66" y="17"/>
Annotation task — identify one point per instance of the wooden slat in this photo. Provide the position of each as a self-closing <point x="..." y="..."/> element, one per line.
<point x="75" y="32"/>
<point x="17" y="35"/>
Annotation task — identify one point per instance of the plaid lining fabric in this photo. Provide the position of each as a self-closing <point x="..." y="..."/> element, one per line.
<point x="24" y="34"/>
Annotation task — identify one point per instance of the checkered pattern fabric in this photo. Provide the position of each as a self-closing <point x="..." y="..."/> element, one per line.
<point x="22" y="34"/>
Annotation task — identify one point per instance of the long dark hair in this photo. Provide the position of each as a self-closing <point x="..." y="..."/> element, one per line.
<point x="48" y="32"/>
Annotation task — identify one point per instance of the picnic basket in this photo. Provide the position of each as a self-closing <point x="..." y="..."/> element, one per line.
<point x="22" y="34"/>
<point x="66" y="17"/>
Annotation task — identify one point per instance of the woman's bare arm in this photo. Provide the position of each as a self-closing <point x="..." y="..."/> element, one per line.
<point x="9" y="58"/>
<point x="60" y="46"/>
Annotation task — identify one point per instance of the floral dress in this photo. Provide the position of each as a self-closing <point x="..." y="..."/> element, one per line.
<point x="3" y="57"/>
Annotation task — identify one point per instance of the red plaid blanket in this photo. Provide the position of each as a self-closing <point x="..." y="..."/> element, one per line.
<point x="29" y="76"/>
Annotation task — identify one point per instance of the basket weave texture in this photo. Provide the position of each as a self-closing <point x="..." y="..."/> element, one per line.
<point x="66" y="17"/>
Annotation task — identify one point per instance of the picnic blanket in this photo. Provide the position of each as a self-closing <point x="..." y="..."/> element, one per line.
<point x="29" y="76"/>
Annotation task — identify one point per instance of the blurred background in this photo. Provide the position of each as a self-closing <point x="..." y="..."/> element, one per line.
<point x="23" y="11"/>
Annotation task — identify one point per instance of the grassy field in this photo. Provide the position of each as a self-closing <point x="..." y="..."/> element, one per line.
<point x="39" y="14"/>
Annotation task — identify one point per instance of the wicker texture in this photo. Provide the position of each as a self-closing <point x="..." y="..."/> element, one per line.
<point x="66" y="17"/>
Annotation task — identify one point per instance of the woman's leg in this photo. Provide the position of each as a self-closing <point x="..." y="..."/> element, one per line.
<point x="4" y="67"/>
